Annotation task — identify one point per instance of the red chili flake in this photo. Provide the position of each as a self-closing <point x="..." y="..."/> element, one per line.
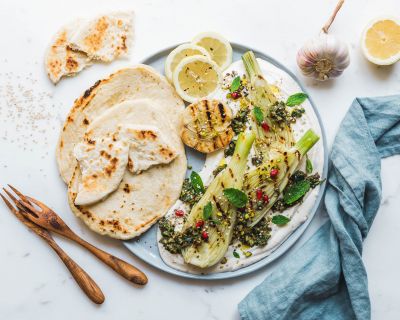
<point x="199" y="224"/>
<point x="235" y="95"/>
<point x="204" y="235"/>
<point x="179" y="213"/>
<point x="266" y="198"/>
<point x="274" y="173"/>
<point x="265" y="126"/>
<point x="259" y="194"/>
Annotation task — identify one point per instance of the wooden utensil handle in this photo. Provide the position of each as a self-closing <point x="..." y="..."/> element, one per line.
<point x="123" y="268"/>
<point x="86" y="283"/>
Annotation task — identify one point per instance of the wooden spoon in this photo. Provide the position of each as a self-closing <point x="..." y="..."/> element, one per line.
<point x="85" y="282"/>
<point x="49" y="220"/>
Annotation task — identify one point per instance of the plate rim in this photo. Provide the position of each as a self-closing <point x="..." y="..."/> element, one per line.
<point x="294" y="236"/>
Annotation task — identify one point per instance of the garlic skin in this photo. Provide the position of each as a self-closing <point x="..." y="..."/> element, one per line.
<point x="323" y="57"/>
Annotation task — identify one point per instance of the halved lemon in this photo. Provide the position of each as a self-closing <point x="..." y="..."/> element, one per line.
<point x="217" y="46"/>
<point x="196" y="77"/>
<point x="183" y="51"/>
<point x="381" y="41"/>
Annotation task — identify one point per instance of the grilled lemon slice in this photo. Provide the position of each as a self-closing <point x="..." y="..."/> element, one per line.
<point x="196" y="77"/>
<point x="183" y="51"/>
<point x="217" y="46"/>
<point x="206" y="125"/>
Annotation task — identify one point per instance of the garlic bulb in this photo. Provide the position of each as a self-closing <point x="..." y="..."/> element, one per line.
<point x="325" y="56"/>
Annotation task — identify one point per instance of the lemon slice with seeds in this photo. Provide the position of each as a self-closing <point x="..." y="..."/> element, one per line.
<point x="196" y="77"/>
<point x="183" y="51"/>
<point x="381" y="41"/>
<point x="217" y="46"/>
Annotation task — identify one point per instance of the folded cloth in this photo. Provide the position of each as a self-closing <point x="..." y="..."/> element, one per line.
<point x="325" y="278"/>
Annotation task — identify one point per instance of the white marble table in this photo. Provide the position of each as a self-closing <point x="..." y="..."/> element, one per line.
<point x="34" y="284"/>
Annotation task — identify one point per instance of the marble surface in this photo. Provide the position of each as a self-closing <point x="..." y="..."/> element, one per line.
<point x="34" y="282"/>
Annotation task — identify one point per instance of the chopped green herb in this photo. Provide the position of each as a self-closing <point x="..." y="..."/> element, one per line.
<point x="315" y="180"/>
<point x="236" y="197"/>
<point x="231" y="149"/>
<point x="218" y="169"/>
<point x="296" y="99"/>
<point x="280" y="206"/>
<point x="238" y="123"/>
<point x="296" y="191"/>
<point x="280" y="220"/>
<point x="235" y="85"/>
<point x="257" y="235"/>
<point x="297" y="176"/>
<point x="216" y="221"/>
<point x="297" y="113"/>
<point x="258" y="114"/>
<point x="236" y="254"/>
<point x="196" y="181"/>
<point x="207" y="210"/>
<point x="257" y="160"/>
<point x="309" y="166"/>
<point x="175" y="242"/>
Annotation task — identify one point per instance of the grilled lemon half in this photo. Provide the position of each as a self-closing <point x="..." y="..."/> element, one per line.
<point x="206" y="125"/>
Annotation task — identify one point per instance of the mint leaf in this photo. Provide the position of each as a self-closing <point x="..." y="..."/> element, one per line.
<point x="196" y="182"/>
<point x="280" y="220"/>
<point x="236" y="255"/>
<point x="296" y="99"/>
<point x="309" y="166"/>
<point x="258" y="114"/>
<point x="235" y="85"/>
<point x="207" y="210"/>
<point x="236" y="197"/>
<point x="295" y="191"/>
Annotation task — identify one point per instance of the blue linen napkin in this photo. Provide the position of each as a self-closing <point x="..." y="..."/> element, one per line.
<point x="326" y="278"/>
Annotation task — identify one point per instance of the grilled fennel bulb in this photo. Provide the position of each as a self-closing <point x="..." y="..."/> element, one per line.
<point x="210" y="252"/>
<point x="273" y="135"/>
<point x="286" y="162"/>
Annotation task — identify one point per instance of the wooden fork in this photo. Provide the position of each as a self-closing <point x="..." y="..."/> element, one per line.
<point x="49" y="220"/>
<point x="84" y="281"/>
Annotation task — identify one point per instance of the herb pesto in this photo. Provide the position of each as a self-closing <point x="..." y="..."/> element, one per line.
<point x="188" y="194"/>
<point x="175" y="242"/>
<point x="239" y="121"/>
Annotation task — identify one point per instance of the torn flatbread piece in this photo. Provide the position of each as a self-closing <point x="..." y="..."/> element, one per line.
<point x="60" y="59"/>
<point x="147" y="147"/>
<point x="105" y="37"/>
<point x="102" y="163"/>
<point x="141" y="199"/>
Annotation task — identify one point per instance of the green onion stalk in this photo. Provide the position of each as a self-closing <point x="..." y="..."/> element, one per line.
<point x="210" y="252"/>
<point x="286" y="163"/>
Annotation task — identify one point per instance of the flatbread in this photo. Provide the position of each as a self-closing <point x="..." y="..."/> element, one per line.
<point x="141" y="199"/>
<point x="126" y="84"/>
<point x="105" y="37"/>
<point x="62" y="61"/>
<point x="147" y="147"/>
<point x="102" y="162"/>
